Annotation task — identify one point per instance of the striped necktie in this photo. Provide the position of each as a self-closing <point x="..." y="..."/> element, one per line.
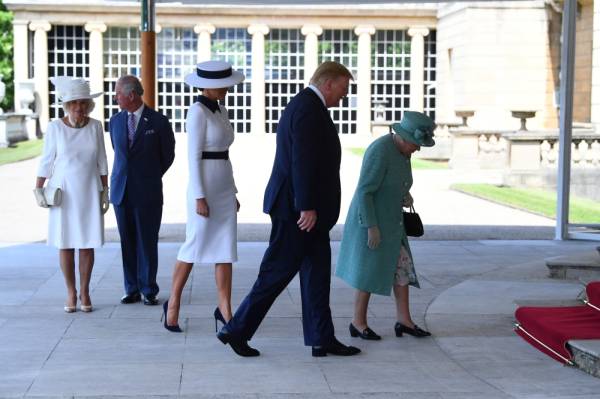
<point x="131" y="128"/>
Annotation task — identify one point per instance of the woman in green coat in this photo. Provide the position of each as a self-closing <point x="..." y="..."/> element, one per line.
<point x="375" y="255"/>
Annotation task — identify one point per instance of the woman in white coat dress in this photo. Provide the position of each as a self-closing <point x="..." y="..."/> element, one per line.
<point x="74" y="160"/>
<point x="211" y="230"/>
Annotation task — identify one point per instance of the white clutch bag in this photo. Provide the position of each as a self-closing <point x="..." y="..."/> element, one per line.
<point x="53" y="196"/>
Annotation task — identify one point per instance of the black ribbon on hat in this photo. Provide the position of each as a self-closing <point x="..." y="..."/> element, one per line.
<point x="225" y="73"/>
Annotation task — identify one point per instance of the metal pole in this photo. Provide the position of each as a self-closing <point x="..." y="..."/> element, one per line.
<point x="567" y="62"/>
<point x="148" y="49"/>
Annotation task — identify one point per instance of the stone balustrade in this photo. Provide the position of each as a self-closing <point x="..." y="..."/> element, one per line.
<point x="533" y="161"/>
<point x="477" y="148"/>
<point x="536" y="150"/>
<point x="585" y="153"/>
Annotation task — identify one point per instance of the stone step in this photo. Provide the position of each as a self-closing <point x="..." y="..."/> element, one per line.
<point x="586" y="355"/>
<point x="589" y="262"/>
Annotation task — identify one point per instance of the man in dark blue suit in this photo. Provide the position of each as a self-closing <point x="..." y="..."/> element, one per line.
<point x="144" y="147"/>
<point x="303" y="200"/>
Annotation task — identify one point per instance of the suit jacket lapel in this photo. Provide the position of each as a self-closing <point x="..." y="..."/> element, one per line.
<point x="122" y="138"/>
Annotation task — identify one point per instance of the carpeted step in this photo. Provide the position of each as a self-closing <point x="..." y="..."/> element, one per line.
<point x="552" y="329"/>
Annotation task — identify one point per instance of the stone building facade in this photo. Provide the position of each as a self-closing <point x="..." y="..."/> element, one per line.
<point x="490" y="58"/>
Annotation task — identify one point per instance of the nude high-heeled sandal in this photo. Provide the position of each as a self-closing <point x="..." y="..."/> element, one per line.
<point x="71" y="309"/>
<point x="85" y="308"/>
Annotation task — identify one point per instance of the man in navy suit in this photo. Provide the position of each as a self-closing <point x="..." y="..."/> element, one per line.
<point x="144" y="147"/>
<point x="303" y="200"/>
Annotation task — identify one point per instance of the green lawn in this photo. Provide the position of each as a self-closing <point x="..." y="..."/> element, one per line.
<point x="415" y="162"/>
<point x="22" y="151"/>
<point x="542" y="202"/>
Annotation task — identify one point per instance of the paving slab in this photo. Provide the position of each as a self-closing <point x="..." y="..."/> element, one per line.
<point x="467" y="303"/>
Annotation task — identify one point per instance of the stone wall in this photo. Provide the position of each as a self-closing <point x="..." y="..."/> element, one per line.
<point x="582" y="93"/>
<point x="493" y="57"/>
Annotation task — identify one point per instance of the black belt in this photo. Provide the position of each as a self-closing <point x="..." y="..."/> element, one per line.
<point x="215" y="154"/>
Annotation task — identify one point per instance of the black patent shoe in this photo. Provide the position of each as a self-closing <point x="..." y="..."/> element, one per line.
<point x="367" y="333"/>
<point x="131" y="298"/>
<point x="415" y="332"/>
<point x="239" y="346"/>
<point x="335" y="348"/>
<point x="175" y="328"/>
<point x="150" y="300"/>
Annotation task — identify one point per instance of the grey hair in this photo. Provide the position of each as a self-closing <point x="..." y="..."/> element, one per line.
<point x="130" y="83"/>
<point x="90" y="106"/>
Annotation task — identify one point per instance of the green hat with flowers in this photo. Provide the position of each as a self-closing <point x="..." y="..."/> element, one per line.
<point x="417" y="128"/>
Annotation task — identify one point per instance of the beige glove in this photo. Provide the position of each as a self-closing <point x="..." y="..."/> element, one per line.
<point x="408" y="201"/>
<point x="104" y="203"/>
<point x="373" y="237"/>
<point x="38" y="192"/>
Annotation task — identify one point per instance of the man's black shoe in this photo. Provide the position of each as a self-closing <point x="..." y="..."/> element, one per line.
<point x="335" y="348"/>
<point x="150" y="300"/>
<point x="131" y="298"/>
<point x="240" y="347"/>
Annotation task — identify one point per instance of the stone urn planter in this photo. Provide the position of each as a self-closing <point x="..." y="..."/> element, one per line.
<point x="523" y="115"/>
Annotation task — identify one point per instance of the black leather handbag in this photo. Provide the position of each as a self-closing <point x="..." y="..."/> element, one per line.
<point x="412" y="223"/>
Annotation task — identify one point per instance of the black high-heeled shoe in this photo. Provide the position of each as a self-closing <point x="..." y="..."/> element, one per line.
<point x="417" y="331"/>
<point x="174" y="328"/>
<point x="218" y="316"/>
<point x="367" y="333"/>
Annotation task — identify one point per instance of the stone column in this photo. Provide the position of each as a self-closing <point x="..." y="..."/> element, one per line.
<point x="311" y="49"/>
<point x="40" y="71"/>
<point x="96" y="29"/>
<point x="595" y="111"/>
<point x="20" y="57"/>
<point x="204" y="44"/>
<point x="363" y="79"/>
<point x="258" y="33"/>
<point x="417" y="60"/>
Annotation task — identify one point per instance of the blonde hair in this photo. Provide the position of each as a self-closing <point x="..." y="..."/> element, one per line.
<point x="329" y="70"/>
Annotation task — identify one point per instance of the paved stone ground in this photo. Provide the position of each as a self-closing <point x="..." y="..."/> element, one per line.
<point x="121" y="351"/>
<point x="467" y="301"/>
<point x="449" y="214"/>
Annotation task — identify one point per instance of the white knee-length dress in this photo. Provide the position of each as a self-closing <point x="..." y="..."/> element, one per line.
<point x="73" y="159"/>
<point x="211" y="239"/>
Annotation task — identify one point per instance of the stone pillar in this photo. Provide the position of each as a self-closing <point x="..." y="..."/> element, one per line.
<point x="204" y="44"/>
<point x="363" y="79"/>
<point x="595" y="111"/>
<point x="96" y="29"/>
<point x="40" y="71"/>
<point x="258" y="33"/>
<point x="20" y="57"/>
<point x="311" y="50"/>
<point x="417" y="61"/>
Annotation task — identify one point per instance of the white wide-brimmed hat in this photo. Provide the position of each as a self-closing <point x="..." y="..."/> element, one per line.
<point x="70" y="89"/>
<point x="214" y="75"/>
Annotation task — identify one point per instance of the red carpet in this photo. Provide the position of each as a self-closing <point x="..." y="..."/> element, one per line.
<point x="554" y="326"/>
